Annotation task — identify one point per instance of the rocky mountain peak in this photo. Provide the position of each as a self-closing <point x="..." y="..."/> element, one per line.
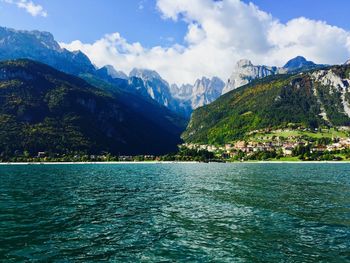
<point x="244" y="63"/>
<point x="202" y="92"/>
<point x="298" y="63"/>
<point x="244" y="72"/>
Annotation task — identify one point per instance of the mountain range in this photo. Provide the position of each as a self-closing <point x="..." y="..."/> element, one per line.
<point x="152" y="117"/>
<point x="41" y="46"/>
<point x="54" y="92"/>
<point x="187" y="97"/>
<point x="313" y="99"/>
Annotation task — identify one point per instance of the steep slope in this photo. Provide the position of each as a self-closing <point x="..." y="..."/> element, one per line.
<point x="149" y="83"/>
<point x="312" y="99"/>
<point x="43" y="109"/>
<point x="145" y="107"/>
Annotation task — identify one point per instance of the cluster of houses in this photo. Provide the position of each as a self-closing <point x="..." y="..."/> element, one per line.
<point x="286" y="147"/>
<point x="340" y="144"/>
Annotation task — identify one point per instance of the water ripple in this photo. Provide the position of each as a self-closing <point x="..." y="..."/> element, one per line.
<point x="175" y="213"/>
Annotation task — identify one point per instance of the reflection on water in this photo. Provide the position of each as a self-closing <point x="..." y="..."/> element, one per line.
<point x="176" y="212"/>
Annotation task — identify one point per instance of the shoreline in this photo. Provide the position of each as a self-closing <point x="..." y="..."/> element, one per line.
<point x="172" y="162"/>
<point x="71" y="163"/>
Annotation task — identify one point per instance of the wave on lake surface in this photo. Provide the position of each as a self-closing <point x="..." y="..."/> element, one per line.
<point x="175" y="212"/>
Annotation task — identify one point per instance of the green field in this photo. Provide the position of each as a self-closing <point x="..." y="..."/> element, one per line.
<point x="288" y="159"/>
<point x="324" y="133"/>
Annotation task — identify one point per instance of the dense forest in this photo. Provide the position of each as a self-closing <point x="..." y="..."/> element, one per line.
<point x="45" y="110"/>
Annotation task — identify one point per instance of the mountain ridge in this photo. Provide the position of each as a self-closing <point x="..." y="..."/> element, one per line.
<point x="41" y="46"/>
<point x="317" y="98"/>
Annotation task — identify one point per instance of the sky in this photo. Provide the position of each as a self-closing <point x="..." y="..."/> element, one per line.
<point x="186" y="39"/>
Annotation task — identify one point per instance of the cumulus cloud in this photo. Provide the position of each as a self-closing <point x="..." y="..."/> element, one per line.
<point x="220" y="33"/>
<point x="29" y="6"/>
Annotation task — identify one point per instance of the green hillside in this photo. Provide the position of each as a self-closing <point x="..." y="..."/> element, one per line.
<point x="42" y="109"/>
<point x="301" y="100"/>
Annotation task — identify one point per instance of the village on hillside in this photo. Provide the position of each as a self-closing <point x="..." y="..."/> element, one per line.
<point x="266" y="144"/>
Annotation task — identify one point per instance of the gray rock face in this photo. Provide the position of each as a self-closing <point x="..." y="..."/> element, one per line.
<point x="245" y="72"/>
<point x="184" y="92"/>
<point x="183" y="99"/>
<point x="206" y="91"/>
<point x="203" y="92"/>
<point x="347" y="62"/>
<point x="335" y="84"/>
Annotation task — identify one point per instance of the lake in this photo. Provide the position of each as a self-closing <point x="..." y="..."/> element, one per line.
<point x="175" y="213"/>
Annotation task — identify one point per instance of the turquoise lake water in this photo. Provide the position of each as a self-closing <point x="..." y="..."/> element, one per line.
<point x="175" y="213"/>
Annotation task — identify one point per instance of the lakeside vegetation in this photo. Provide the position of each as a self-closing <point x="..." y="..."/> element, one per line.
<point x="301" y="153"/>
<point x="48" y="116"/>
<point x="184" y="154"/>
<point x="292" y="144"/>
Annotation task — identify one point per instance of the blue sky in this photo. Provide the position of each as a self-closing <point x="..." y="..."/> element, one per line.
<point x="89" y="20"/>
<point x="186" y="39"/>
<point x="137" y="20"/>
<point x="334" y="12"/>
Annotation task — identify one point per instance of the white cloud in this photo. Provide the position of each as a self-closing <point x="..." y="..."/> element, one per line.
<point x="29" y="6"/>
<point x="220" y="33"/>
